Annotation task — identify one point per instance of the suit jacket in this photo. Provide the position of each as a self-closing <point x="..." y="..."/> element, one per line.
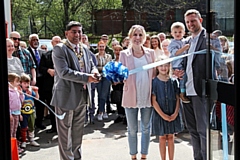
<point x="38" y="73"/>
<point x="45" y="64"/>
<point x="198" y="64"/>
<point x="129" y="98"/>
<point x="68" y="79"/>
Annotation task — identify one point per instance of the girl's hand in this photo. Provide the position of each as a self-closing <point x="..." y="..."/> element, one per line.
<point x="173" y="116"/>
<point x="166" y="117"/>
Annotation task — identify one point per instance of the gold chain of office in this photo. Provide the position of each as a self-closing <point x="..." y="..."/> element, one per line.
<point x="80" y="54"/>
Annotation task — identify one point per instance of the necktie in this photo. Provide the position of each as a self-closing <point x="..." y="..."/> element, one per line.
<point x="37" y="56"/>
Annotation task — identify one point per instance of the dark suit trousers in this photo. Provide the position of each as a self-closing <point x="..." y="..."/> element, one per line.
<point x="195" y="114"/>
<point x="70" y="132"/>
<point x="47" y="96"/>
<point x="38" y="105"/>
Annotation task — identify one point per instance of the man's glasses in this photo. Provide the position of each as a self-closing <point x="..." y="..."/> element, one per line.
<point x="14" y="38"/>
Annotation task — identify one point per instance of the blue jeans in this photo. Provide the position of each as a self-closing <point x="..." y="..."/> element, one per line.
<point x="132" y="121"/>
<point x="103" y="88"/>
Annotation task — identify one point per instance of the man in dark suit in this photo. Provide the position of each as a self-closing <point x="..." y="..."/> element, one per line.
<point x="36" y="54"/>
<point x="74" y="73"/>
<point x="196" y="111"/>
<point x="46" y="68"/>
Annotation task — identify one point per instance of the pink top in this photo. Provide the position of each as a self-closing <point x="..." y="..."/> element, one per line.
<point x="129" y="98"/>
<point x="15" y="100"/>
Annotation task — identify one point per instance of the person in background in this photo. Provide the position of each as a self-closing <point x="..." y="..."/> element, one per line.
<point x="16" y="98"/>
<point x="25" y="57"/>
<point x="108" y="50"/>
<point x="161" y="36"/>
<point x="137" y="90"/>
<point x="47" y="69"/>
<point x="28" y="111"/>
<point x="114" y="42"/>
<point x="165" y="99"/>
<point x="119" y="86"/>
<point x="179" y="47"/>
<point x="44" y="47"/>
<point x="147" y="42"/>
<point x="14" y="63"/>
<point x="85" y="41"/>
<point x="217" y="33"/>
<point x="103" y="87"/>
<point x="125" y="42"/>
<point x="37" y="54"/>
<point x="165" y="44"/>
<point x="23" y="45"/>
<point x="156" y="45"/>
<point x="74" y="73"/>
<point x="224" y="43"/>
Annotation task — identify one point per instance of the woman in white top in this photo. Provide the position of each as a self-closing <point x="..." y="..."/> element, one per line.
<point x="14" y="63"/>
<point x="137" y="90"/>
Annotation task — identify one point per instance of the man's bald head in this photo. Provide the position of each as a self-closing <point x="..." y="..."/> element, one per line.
<point x="56" y="40"/>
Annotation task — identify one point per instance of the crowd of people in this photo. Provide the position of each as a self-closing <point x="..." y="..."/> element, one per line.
<point x="67" y="78"/>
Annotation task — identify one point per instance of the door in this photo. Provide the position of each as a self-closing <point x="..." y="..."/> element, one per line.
<point x="221" y="90"/>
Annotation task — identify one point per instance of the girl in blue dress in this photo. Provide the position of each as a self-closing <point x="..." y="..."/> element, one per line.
<point x="165" y="100"/>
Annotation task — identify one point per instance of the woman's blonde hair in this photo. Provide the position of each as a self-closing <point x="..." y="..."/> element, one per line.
<point x="132" y="31"/>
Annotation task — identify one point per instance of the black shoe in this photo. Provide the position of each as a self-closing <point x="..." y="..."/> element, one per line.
<point x="110" y="111"/>
<point x="119" y="119"/>
<point x="51" y="131"/>
<point x="42" y="127"/>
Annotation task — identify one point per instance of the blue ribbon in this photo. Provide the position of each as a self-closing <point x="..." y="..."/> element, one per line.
<point x="155" y="64"/>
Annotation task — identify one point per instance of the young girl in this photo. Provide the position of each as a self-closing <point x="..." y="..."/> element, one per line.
<point x="165" y="100"/>
<point x="16" y="98"/>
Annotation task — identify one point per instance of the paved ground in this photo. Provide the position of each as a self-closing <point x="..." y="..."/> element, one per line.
<point x="108" y="141"/>
<point x="103" y="141"/>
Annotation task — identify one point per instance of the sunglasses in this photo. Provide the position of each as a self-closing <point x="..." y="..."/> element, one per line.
<point x="14" y="38"/>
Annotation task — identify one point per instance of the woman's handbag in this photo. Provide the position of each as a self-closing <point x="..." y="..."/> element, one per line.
<point x="116" y="96"/>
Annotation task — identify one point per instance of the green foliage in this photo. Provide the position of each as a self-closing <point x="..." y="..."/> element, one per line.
<point x="49" y="17"/>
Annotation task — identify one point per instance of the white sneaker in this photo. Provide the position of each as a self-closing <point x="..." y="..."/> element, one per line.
<point x="100" y="117"/>
<point x="24" y="144"/>
<point x="34" y="143"/>
<point x="105" y="116"/>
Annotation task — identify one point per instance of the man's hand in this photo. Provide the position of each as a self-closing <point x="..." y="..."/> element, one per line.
<point x="178" y="73"/>
<point x="51" y="72"/>
<point x="93" y="78"/>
